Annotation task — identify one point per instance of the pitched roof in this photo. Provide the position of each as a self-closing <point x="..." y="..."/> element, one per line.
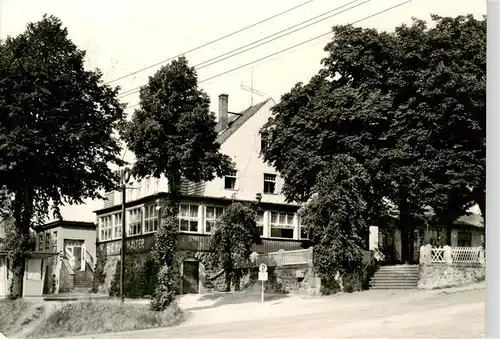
<point x="472" y="219"/>
<point x="65" y="223"/>
<point x="236" y="122"/>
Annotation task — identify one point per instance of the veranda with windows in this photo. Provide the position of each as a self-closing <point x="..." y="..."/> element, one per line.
<point x="197" y="218"/>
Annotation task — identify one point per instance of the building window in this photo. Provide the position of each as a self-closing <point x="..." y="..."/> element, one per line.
<point x="230" y="181"/>
<point x="282" y="225"/>
<point x="48" y="244"/>
<point x="151" y="219"/>
<point x="147" y="185"/>
<point x="188" y="218"/>
<point x="40" y="241"/>
<point x="118" y="226"/>
<point x="54" y="241"/>
<point x="105" y="228"/>
<point x="156" y="188"/>
<point x="34" y="269"/>
<point x="260" y="223"/>
<point x="464" y="239"/>
<point x="211" y="216"/>
<point x="134" y="222"/>
<point x="270" y="183"/>
<point x="139" y="189"/>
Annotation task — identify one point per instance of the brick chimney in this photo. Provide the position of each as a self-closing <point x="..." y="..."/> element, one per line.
<point x="223" y="112"/>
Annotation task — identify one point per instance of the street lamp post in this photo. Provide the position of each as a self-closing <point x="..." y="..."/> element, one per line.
<point x="125" y="177"/>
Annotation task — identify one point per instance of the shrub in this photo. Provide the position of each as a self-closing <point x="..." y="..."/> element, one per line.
<point x="165" y="292"/>
<point x="232" y="240"/>
<point x="164" y="254"/>
<point x="140" y="276"/>
<point x="99" y="274"/>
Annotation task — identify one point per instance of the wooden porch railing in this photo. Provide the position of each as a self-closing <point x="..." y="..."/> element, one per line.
<point x="283" y="258"/>
<point x="88" y="258"/>
<point x="71" y="258"/>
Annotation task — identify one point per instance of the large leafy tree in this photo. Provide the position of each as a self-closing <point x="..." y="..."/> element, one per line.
<point x="56" y="127"/>
<point x="336" y="217"/>
<point x="173" y="132"/>
<point x="396" y="103"/>
<point x="232" y="239"/>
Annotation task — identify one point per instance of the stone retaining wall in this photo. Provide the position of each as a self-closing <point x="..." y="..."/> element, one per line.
<point x="441" y="275"/>
<point x="447" y="266"/>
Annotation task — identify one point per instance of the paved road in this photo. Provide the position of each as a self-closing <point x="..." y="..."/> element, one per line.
<point x="455" y="315"/>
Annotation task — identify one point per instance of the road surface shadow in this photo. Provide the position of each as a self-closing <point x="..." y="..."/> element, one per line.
<point x="232" y="298"/>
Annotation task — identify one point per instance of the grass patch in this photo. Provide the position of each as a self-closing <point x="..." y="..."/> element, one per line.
<point x="101" y="316"/>
<point x="10" y="312"/>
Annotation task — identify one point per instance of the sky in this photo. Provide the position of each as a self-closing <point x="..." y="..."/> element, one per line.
<point x="124" y="36"/>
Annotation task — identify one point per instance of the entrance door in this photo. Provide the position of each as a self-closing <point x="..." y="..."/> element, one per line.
<point x="3" y="277"/>
<point x="77" y="252"/>
<point x="75" y="247"/>
<point x="190" y="277"/>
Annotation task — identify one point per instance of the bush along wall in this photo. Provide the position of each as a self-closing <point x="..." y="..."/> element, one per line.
<point x="99" y="270"/>
<point x="139" y="279"/>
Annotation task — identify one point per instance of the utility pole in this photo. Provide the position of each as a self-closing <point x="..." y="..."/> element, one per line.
<point x="125" y="177"/>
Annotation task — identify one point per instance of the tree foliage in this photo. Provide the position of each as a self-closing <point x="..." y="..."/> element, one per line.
<point x="173" y="132"/>
<point x="56" y="124"/>
<point x="164" y="254"/>
<point x="166" y="241"/>
<point x="409" y="106"/>
<point x="336" y="217"/>
<point x="232" y="239"/>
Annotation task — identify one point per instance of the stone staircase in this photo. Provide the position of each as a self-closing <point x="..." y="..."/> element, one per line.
<point x="395" y="277"/>
<point x="83" y="280"/>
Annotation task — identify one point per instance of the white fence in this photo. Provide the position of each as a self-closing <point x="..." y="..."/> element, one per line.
<point x="451" y="255"/>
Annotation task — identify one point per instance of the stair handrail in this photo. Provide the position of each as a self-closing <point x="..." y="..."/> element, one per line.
<point x="375" y="255"/>
<point x="89" y="259"/>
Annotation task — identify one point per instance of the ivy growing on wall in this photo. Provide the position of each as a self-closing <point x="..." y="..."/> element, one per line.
<point x="99" y="270"/>
<point x="140" y="276"/>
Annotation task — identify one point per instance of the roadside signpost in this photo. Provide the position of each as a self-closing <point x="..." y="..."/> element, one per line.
<point x="263" y="278"/>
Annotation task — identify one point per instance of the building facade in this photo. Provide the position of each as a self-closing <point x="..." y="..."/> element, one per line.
<point x="35" y="269"/>
<point x="203" y="203"/>
<point x="466" y="231"/>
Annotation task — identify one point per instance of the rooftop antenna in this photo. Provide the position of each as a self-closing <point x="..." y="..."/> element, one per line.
<point x="252" y="90"/>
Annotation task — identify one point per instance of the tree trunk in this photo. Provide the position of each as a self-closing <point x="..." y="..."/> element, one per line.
<point x="412" y="245"/>
<point x="174" y="182"/>
<point x="16" y="283"/>
<point x="23" y="209"/>
<point x="403" y="223"/>
<point x="228" y="280"/>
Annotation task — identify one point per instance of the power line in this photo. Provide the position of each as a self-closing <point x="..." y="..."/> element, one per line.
<point x="297" y="45"/>
<point x="212" y="42"/>
<point x="212" y="62"/>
